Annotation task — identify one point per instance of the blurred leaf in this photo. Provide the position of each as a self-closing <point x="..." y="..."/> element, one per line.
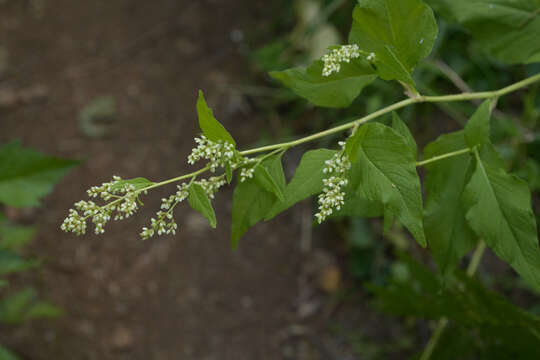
<point x="400" y="33"/>
<point x="11" y="262"/>
<point x="449" y="239"/>
<point x="499" y="211"/>
<point x="23" y="305"/>
<point x="388" y="175"/>
<point x="307" y="180"/>
<point x="26" y="175"/>
<point x="506" y="29"/>
<point x="198" y="200"/>
<point x="5" y="354"/>
<point x="210" y="127"/>
<point x="13" y="237"/>
<point x="336" y="90"/>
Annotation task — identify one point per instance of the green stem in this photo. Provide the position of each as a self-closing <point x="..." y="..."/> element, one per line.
<point x="443" y="156"/>
<point x="420" y="99"/>
<point x="443" y="322"/>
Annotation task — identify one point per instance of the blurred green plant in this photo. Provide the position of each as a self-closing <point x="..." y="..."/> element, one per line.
<point x="26" y="176"/>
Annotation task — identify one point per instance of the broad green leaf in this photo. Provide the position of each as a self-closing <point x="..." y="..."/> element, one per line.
<point x="337" y="90"/>
<point x="478" y="127"/>
<point x="403" y="130"/>
<point x="271" y="182"/>
<point x="399" y="32"/>
<point x="307" y="180"/>
<point x="11" y="262"/>
<point x="388" y="175"/>
<point x="505" y="29"/>
<point x="138" y="183"/>
<point x="14" y="237"/>
<point x="210" y="127"/>
<point x="252" y="201"/>
<point x="24" y="305"/>
<point x="5" y="354"/>
<point x="27" y="175"/>
<point x="499" y="211"/>
<point x="198" y="199"/>
<point x="447" y="232"/>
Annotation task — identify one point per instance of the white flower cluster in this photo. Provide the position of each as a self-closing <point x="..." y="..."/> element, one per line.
<point x="124" y="205"/>
<point x="344" y="53"/>
<point x="164" y="222"/>
<point x="333" y="196"/>
<point x="246" y="173"/>
<point x="218" y="153"/>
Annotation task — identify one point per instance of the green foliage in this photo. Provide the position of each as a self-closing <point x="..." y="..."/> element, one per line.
<point x="388" y="175"/>
<point x="24" y="305"/>
<point x="489" y="322"/>
<point x="338" y="90"/>
<point x="26" y="175"/>
<point x="445" y="182"/>
<point x="307" y="180"/>
<point x="198" y="199"/>
<point x="210" y="127"/>
<point x="499" y="210"/>
<point x="399" y="32"/>
<point x="252" y="200"/>
<point x="506" y="29"/>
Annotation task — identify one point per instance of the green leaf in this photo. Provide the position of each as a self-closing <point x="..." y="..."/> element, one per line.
<point x="138" y="183"/>
<point x="307" y="180"/>
<point x="268" y="182"/>
<point x="252" y="201"/>
<point x="505" y="29"/>
<point x="499" y="211"/>
<point x="10" y="262"/>
<point x="198" y="199"/>
<point x="337" y="90"/>
<point x="399" y="32"/>
<point x="402" y="129"/>
<point x="14" y="237"/>
<point x="478" y="127"/>
<point x="26" y="175"/>
<point x="210" y="127"/>
<point x="24" y="305"/>
<point x="447" y="232"/>
<point x="228" y="172"/>
<point x="388" y="175"/>
<point x="5" y="354"/>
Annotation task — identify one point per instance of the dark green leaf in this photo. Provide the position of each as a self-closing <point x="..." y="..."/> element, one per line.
<point x="447" y="232"/>
<point x="506" y="29"/>
<point x="399" y="32"/>
<point x="210" y="127"/>
<point x="228" y="172"/>
<point x="138" y="183"/>
<point x="10" y="262"/>
<point x="477" y="128"/>
<point x="499" y="211"/>
<point x="26" y="175"/>
<point x="198" y="199"/>
<point x="403" y="130"/>
<point x="336" y="90"/>
<point x="388" y="175"/>
<point x="252" y="201"/>
<point x="307" y="180"/>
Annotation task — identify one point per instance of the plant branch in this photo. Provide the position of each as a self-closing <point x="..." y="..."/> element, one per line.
<point x="443" y="156"/>
<point x="443" y="322"/>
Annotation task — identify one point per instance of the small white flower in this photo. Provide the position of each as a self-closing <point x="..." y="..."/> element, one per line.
<point x="218" y="154"/>
<point x="345" y="53"/>
<point x="246" y="173"/>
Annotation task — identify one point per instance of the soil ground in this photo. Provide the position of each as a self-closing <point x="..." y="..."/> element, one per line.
<point x="183" y="297"/>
